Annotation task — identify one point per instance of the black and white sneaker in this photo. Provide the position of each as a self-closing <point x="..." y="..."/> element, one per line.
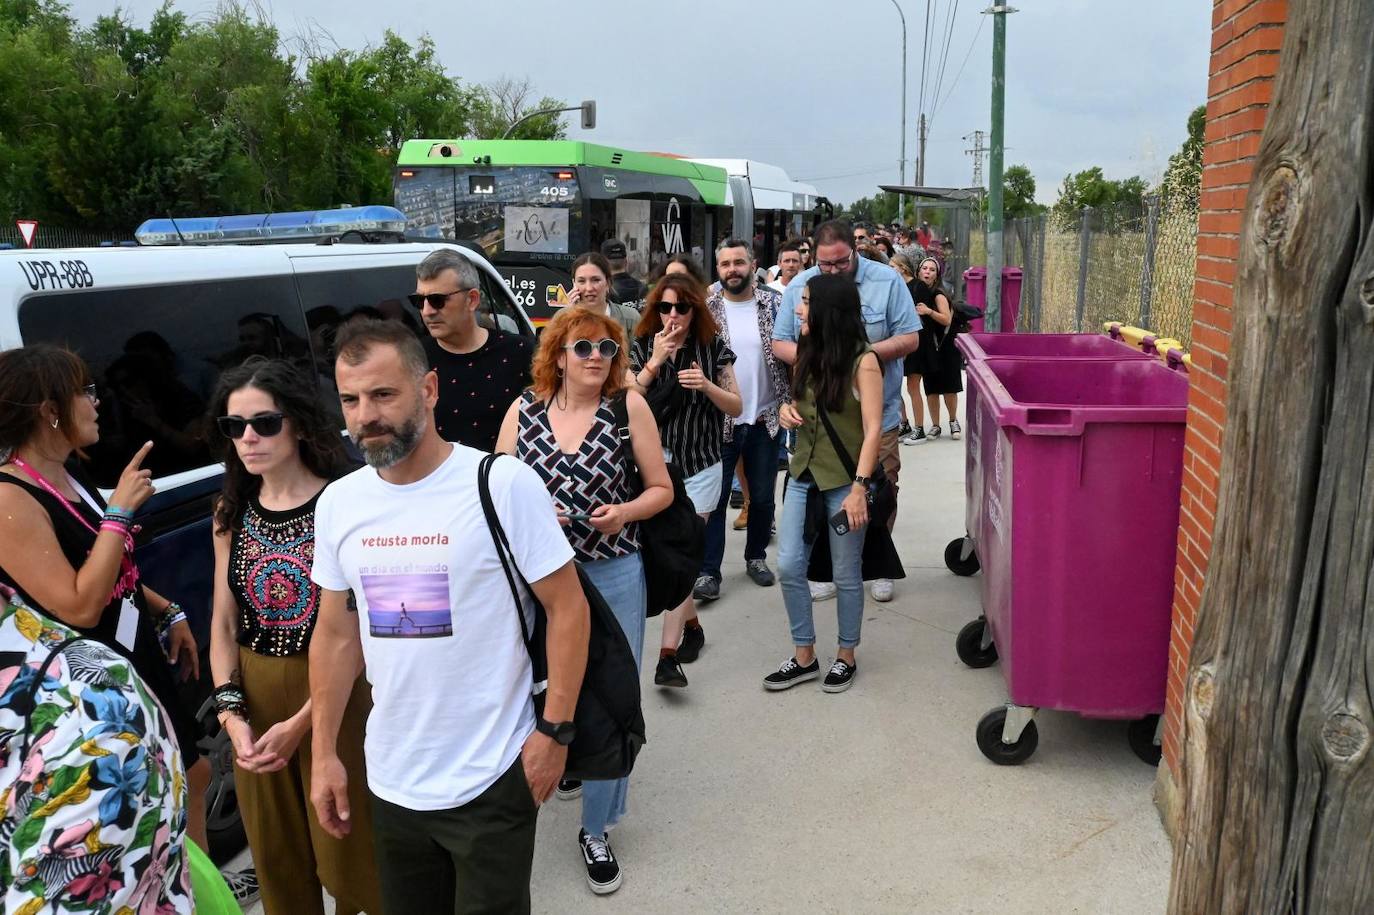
<point x="903" y="430"/>
<point x="914" y="436"/>
<point x="603" y="871"/>
<point x="569" y="789"/>
<point x="934" y="432"/>
<point x="840" y="678"/>
<point x="791" y="673"/>
<point x="954" y="429"/>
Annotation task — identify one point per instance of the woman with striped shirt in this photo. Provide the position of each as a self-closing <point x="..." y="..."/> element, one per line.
<point x="683" y="367"/>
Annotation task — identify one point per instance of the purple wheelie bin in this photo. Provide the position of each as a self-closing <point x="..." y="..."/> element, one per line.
<point x="1060" y="443"/>
<point x="961" y="554"/>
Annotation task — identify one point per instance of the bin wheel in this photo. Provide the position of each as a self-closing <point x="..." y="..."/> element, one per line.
<point x="1005" y="754"/>
<point x="969" y="645"/>
<point x="959" y="566"/>
<point x="1141" y="734"/>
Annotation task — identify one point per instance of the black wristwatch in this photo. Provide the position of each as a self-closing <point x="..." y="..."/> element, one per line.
<point x="563" y="732"/>
<point x="862" y="480"/>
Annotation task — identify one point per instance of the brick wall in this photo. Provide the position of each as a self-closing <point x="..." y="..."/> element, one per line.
<point x="1246" y="35"/>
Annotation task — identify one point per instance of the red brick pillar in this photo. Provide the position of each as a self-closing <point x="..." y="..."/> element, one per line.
<point x="1246" y="35"/>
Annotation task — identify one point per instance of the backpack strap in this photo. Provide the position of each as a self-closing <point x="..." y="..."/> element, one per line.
<point x="31" y="695"/>
<point x="622" y="428"/>
<point x="502" y="544"/>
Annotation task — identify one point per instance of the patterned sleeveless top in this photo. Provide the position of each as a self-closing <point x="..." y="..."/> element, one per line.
<point x="269" y="572"/>
<point x="580" y="482"/>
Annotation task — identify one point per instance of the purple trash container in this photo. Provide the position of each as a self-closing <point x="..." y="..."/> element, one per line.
<point x="1081" y="463"/>
<point x="976" y="293"/>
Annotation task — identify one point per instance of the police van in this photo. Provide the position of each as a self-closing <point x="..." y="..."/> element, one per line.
<point x="158" y="324"/>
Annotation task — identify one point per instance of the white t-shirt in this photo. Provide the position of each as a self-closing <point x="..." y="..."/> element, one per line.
<point x="451" y="678"/>
<point x="751" y="372"/>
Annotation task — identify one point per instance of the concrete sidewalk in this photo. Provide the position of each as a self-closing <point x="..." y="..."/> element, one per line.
<point x="872" y="800"/>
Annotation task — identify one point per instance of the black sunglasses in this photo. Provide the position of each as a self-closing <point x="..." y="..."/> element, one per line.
<point x="583" y="349"/>
<point x="264" y="424"/>
<point x="682" y="308"/>
<point x="437" y="300"/>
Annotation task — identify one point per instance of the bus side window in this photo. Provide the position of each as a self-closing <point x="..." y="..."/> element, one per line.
<point x="156" y="354"/>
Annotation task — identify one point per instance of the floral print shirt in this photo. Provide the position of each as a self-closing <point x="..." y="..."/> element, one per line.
<point x="769" y="301"/>
<point x="93" y="819"/>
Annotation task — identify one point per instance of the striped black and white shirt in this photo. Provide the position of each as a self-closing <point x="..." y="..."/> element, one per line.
<point x="693" y="431"/>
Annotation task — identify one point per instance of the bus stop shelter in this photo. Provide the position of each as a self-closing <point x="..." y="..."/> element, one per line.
<point x="960" y="204"/>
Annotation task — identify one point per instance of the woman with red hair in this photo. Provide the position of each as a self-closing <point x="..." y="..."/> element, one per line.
<point x="565" y="427"/>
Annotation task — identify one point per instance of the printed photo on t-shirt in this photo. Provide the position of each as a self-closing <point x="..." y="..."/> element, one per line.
<point x="408" y="605"/>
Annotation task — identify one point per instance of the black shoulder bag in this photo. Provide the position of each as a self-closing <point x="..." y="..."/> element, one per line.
<point x="672" y="542"/>
<point x="882" y="495"/>
<point x="609" y="717"/>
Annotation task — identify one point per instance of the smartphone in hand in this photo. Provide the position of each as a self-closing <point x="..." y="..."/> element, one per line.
<point x="575" y="516"/>
<point x="840" y="522"/>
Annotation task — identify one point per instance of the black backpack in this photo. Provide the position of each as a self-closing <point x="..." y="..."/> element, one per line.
<point x="609" y="718"/>
<point x="963" y="313"/>
<point x="672" y="542"/>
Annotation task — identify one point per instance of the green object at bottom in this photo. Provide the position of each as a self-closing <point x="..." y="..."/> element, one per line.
<point x="211" y="893"/>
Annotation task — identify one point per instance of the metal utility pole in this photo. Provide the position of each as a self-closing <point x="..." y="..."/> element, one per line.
<point x="977" y="152"/>
<point x="993" y="315"/>
<point x="921" y="162"/>
<point x="902" y="161"/>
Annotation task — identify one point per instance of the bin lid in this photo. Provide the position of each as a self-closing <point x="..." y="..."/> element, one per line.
<point x="975" y="273"/>
<point x="1011" y="272"/>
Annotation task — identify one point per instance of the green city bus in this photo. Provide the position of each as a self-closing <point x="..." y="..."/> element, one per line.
<point x="533" y="206"/>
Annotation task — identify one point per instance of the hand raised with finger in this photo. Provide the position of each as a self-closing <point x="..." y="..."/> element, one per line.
<point x="135" y="484"/>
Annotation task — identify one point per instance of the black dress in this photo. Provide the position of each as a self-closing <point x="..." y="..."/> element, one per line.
<point x="75" y="542"/>
<point x="936" y="359"/>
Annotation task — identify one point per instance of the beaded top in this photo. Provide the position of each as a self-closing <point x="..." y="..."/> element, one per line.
<point x="269" y="573"/>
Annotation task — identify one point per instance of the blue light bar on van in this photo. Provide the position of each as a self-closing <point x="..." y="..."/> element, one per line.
<point x="258" y="228"/>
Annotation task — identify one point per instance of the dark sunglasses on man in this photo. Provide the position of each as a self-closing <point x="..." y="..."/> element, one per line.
<point x="583" y="349"/>
<point x="264" y="424"/>
<point x="436" y="300"/>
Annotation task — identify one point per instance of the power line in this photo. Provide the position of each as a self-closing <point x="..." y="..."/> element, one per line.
<point x="950" y="19"/>
<point x="925" y="57"/>
<point x="873" y="171"/>
<point x="941" y="103"/>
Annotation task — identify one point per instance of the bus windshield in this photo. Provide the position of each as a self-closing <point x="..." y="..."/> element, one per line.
<point x="517" y="214"/>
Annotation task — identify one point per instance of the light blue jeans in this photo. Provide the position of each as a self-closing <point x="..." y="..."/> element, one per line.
<point x="846" y="555"/>
<point x="621" y="582"/>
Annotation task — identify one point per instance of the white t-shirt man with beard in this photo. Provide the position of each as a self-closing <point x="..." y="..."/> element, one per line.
<point x="457" y="762"/>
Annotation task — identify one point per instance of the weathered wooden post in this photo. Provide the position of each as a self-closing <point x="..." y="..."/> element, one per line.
<point x="1278" y="773"/>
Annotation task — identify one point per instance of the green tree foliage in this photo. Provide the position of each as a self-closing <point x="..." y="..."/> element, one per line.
<point x="1018" y="193"/>
<point x="1090" y="188"/>
<point x="1182" y="183"/>
<point x="103" y="126"/>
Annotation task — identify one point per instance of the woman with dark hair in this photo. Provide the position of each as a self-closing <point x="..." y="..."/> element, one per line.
<point x="70" y="555"/>
<point x="591" y="290"/>
<point x="837" y="410"/>
<point x="280" y="450"/>
<point x="565" y="427"/>
<point x="938" y="365"/>
<point x="681" y="364"/>
<point x="682" y="262"/>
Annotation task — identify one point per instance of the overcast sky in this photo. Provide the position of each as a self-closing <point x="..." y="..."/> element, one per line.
<point x="816" y="87"/>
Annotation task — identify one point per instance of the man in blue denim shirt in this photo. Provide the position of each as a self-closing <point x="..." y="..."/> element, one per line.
<point x="890" y="318"/>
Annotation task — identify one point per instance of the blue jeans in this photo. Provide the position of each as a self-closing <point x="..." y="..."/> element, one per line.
<point x="621" y="582"/>
<point x="760" y="451"/>
<point x="846" y="556"/>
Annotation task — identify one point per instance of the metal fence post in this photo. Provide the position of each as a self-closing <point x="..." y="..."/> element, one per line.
<point x="1041" y="229"/>
<point x="1084" y="238"/>
<point x="1147" y="270"/>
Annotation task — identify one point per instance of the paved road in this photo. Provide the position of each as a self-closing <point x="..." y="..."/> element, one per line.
<point x="873" y="800"/>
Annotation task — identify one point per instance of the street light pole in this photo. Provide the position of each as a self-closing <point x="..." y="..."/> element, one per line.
<point x="902" y="161"/>
<point x="588" y="109"/>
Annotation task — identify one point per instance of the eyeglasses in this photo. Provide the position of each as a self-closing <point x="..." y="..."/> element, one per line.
<point x="583" y="349"/>
<point x="436" y="300"/>
<point x="264" y="424"/>
<point x="682" y="308"/>
<point x="91" y="393"/>
<point x="835" y="265"/>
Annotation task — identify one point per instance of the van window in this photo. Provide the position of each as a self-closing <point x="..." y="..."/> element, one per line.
<point x="156" y="354"/>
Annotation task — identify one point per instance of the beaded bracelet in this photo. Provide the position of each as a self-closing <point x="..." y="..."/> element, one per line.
<point x="117" y="512"/>
<point x="229" y="700"/>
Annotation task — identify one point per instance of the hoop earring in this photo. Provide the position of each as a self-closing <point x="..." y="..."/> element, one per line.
<point x="55" y="423"/>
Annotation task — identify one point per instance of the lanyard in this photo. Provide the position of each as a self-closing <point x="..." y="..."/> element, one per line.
<point x="128" y="572"/>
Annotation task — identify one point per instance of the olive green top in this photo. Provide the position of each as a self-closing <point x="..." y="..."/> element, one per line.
<point x="813" y="450"/>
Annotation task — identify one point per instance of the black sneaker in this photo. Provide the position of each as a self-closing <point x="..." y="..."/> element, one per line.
<point x="244" y="885"/>
<point x="603" y="871"/>
<point x="706" y="588"/>
<point x="917" y="436"/>
<point x="569" y="789"/>
<point x="903" y="430"/>
<point x="736" y="498"/>
<point x="692" y="640"/>
<point x="759" y="573"/>
<point x="954" y="429"/>
<point x="841" y="676"/>
<point x="669" y="673"/>
<point x="791" y="673"/>
<point x="934" y="431"/>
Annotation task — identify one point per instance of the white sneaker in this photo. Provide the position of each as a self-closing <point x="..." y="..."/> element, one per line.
<point x="881" y="589"/>
<point x="821" y="590"/>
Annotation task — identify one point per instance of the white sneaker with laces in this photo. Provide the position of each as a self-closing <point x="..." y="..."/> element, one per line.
<point x="881" y="589"/>
<point x="821" y="590"/>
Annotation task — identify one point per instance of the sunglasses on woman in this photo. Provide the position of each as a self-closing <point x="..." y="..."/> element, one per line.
<point x="264" y="424"/>
<point x="682" y="308"/>
<point x="583" y="349"/>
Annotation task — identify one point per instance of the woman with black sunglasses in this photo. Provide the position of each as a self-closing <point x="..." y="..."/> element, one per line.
<point x="279" y="451"/>
<point x="565" y="427"/>
<point x="680" y="363"/>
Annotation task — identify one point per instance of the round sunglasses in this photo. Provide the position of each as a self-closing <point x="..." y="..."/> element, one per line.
<point x="682" y="308"/>
<point x="264" y="424"/>
<point x="583" y="349"/>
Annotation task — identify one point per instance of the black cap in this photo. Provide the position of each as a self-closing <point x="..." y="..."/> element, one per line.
<point x="613" y="249"/>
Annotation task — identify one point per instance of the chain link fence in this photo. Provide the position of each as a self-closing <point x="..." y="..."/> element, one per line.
<point x="58" y="237"/>
<point x="1130" y="264"/>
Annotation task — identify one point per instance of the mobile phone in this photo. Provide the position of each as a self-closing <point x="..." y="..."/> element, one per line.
<point x="840" y="522"/>
<point x="575" y="516"/>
